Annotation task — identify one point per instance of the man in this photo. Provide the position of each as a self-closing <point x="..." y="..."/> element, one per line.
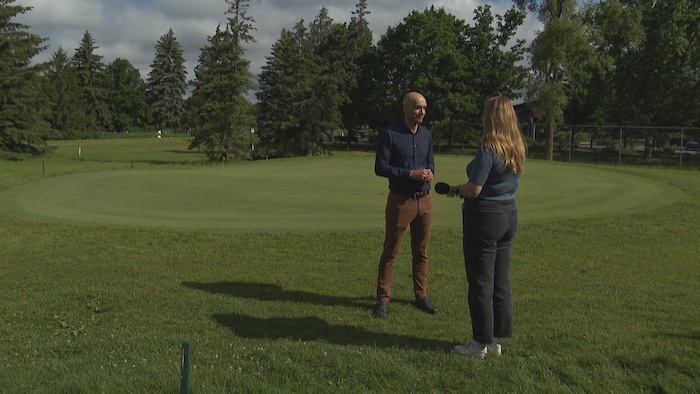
<point x="405" y="156"/>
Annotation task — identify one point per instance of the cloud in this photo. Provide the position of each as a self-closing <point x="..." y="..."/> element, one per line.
<point x="129" y="29"/>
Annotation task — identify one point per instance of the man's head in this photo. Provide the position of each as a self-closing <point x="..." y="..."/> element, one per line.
<point x="414" y="107"/>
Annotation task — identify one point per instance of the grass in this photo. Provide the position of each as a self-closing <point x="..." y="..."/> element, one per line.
<point x="308" y="194"/>
<point x="606" y="284"/>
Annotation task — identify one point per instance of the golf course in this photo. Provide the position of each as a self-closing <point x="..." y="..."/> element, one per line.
<point x="113" y="252"/>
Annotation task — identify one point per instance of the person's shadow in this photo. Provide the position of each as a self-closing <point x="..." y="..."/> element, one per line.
<point x="268" y="292"/>
<point x="315" y="329"/>
<point x="306" y="328"/>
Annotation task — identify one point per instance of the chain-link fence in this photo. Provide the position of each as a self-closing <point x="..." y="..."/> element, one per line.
<point x="663" y="146"/>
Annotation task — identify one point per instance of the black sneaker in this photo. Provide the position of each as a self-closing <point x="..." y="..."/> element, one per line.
<point x="426" y="306"/>
<point x="381" y="309"/>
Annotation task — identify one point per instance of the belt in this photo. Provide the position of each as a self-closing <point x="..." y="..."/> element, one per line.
<point x="414" y="196"/>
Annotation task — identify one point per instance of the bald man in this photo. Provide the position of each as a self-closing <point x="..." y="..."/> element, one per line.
<point x="405" y="156"/>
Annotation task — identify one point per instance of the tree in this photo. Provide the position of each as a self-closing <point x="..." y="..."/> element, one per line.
<point x="278" y="79"/>
<point x="558" y="54"/>
<point x="91" y="81"/>
<point x="614" y="30"/>
<point x="21" y="130"/>
<point x="128" y="101"/>
<point x="659" y="78"/>
<point x="289" y="124"/>
<point x="495" y="66"/>
<point x="320" y="28"/>
<point x="358" y="48"/>
<point x="222" y="111"/>
<point x="650" y="59"/>
<point x="64" y="112"/>
<point x="167" y="82"/>
<point x="455" y="66"/>
<point x="424" y="53"/>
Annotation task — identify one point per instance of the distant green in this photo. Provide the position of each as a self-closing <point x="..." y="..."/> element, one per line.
<point x="320" y="194"/>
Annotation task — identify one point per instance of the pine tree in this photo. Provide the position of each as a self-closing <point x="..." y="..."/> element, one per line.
<point x="167" y="83"/>
<point x="61" y="87"/>
<point x="91" y="80"/>
<point x="296" y="110"/>
<point x="354" y="111"/>
<point x="223" y="114"/>
<point x="21" y="130"/>
<point x="280" y="80"/>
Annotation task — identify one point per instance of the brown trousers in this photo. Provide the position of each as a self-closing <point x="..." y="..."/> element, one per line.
<point x="402" y="212"/>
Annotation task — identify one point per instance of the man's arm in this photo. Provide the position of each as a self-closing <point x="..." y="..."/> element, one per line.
<point x="382" y="162"/>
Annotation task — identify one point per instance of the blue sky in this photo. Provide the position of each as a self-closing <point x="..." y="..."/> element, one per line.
<point x="129" y="29"/>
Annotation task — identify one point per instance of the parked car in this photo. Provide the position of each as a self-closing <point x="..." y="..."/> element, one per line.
<point x="692" y="145"/>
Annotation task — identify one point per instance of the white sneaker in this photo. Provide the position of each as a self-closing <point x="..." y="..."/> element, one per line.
<point x="473" y="349"/>
<point x="495" y="347"/>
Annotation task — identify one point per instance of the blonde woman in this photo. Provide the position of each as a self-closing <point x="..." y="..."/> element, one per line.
<point x="490" y="222"/>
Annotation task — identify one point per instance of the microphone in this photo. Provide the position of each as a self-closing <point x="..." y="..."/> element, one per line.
<point x="444" y="188"/>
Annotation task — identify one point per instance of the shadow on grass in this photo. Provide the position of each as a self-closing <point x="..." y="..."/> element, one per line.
<point x="268" y="292"/>
<point x="689" y="335"/>
<point x="315" y="329"/>
<point x="307" y="328"/>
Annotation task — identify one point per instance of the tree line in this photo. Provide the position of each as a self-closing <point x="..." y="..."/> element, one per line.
<point x="627" y="62"/>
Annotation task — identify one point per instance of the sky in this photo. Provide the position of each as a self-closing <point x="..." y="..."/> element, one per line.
<point x="129" y="29"/>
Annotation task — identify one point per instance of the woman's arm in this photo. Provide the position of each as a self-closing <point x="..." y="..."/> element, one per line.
<point x="469" y="190"/>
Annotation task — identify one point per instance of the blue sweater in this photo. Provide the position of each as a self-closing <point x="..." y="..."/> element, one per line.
<point x="401" y="151"/>
<point x="497" y="179"/>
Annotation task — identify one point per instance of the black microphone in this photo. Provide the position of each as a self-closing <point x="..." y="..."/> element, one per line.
<point x="442" y="188"/>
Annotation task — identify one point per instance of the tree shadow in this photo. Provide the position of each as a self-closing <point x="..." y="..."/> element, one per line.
<point x="315" y="329"/>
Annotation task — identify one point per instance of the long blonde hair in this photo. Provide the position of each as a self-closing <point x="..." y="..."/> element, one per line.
<point x="501" y="134"/>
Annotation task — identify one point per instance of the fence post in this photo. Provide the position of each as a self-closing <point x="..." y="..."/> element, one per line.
<point x="619" y="149"/>
<point x="680" y="162"/>
<point x="571" y="143"/>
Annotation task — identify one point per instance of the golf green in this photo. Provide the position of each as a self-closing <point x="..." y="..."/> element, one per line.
<point x="317" y="194"/>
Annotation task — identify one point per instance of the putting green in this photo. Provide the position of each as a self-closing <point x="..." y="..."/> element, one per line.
<point x="322" y="194"/>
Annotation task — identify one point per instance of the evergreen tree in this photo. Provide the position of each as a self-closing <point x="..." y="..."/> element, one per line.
<point x="91" y="80"/>
<point x="359" y="45"/>
<point x="279" y="79"/>
<point x="308" y="81"/>
<point x="296" y="109"/>
<point x="167" y="83"/>
<point x="128" y="102"/>
<point x="320" y="28"/>
<point x="224" y="115"/>
<point x="63" y="94"/>
<point x="21" y="130"/>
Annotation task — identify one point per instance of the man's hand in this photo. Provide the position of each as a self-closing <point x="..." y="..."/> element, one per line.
<point x="423" y="174"/>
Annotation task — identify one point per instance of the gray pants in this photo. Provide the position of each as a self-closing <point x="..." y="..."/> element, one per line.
<point x="489" y="228"/>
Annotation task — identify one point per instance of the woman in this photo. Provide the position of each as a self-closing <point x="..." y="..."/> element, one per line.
<point x="490" y="221"/>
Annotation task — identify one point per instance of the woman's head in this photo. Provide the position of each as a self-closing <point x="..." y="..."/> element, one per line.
<point x="501" y="134"/>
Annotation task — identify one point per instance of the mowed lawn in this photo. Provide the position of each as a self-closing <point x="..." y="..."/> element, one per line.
<point x="110" y="259"/>
<point x="306" y="194"/>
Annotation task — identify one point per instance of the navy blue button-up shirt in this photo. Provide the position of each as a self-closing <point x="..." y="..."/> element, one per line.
<point x="399" y="152"/>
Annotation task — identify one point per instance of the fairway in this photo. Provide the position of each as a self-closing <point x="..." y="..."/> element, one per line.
<point x="316" y="194"/>
<point x="114" y="252"/>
